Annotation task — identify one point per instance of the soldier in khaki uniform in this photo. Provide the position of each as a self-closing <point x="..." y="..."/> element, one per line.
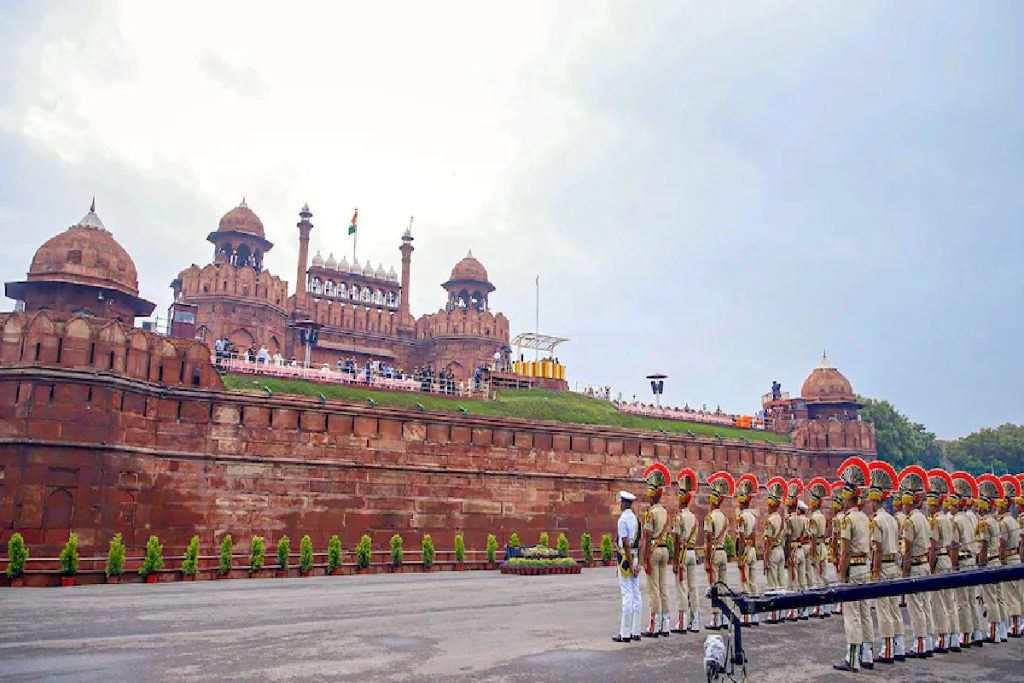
<point x="773" y="538"/>
<point x="716" y="561"/>
<point x="965" y="488"/>
<point x="746" y="542"/>
<point x="684" y="563"/>
<point x="817" y="528"/>
<point x="917" y="538"/>
<point x="990" y="540"/>
<point x="940" y="483"/>
<point x="796" y="535"/>
<point x="654" y="551"/>
<point x="1013" y="596"/>
<point x="855" y="545"/>
<point x="885" y="534"/>
<point x="838" y="515"/>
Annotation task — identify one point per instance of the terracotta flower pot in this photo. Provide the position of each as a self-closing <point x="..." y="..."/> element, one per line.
<point x="460" y="566"/>
<point x="113" y="579"/>
<point x="281" y="573"/>
<point x="490" y="565"/>
<point x="66" y="581"/>
<point x="18" y="582"/>
<point x="151" y="578"/>
<point x="361" y="570"/>
<point x="188" y="577"/>
<point x="609" y="563"/>
<point x="336" y="571"/>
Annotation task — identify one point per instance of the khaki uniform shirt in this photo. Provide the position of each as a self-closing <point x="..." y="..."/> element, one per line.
<point x="1011" y="531"/>
<point x="714" y="524"/>
<point x="917" y="534"/>
<point x="886" y="532"/>
<point x="656" y="523"/>
<point x="855" y="529"/>
<point x="773" y="529"/>
<point x="988" y="531"/>
<point x="746" y="525"/>
<point x="973" y="517"/>
<point x="796" y="527"/>
<point x="837" y="525"/>
<point x="942" y="532"/>
<point x="685" y="525"/>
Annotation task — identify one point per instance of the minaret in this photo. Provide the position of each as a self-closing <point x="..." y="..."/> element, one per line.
<point x="304" y="227"/>
<point x="406" y="249"/>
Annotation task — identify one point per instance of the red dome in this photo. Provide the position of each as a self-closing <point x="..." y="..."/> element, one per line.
<point x="85" y="254"/>
<point x="826" y="383"/>
<point x="469" y="269"/>
<point x="242" y="219"/>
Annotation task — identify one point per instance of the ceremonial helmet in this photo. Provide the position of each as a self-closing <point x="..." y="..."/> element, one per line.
<point x="657" y="477"/>
<point x="965" y="487"/>
<point x="687" y="480"/>
<point x="1020" y="500"/>
<point x="883" y="480"/>
<point x="990" y="490"/>
<point x="1011" y="490"/>
<point x="746" y="488"/>
<point x="913" y="484"/>
<point x="940" y="484"/>
<point x="837" y="494"/>
<point x="794" y="487"/>
<point x="855" y="476"/>
<point x="776" y="488"/>
<point x="722" y="485"/>
<point x="818" y="489"/>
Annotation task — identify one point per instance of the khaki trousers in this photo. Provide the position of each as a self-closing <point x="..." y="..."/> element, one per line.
<point x="815" y="578"/>
<point x="919" y="604"/>
<point x="776" y="569"/>
<point x="719" y="564"/>
<point x="967" y="614"/>
<point x="944" y="601"/>
<point x="1012" y="597"/>
<point x="857" y="615"/>
<point x="657" y="580"/>
<point x="749" y="563"/>
<point x="798" y="580"/>
<point x="686" y="591"/>
<point x="887" y="610"/>
<point x="992" y="596"/>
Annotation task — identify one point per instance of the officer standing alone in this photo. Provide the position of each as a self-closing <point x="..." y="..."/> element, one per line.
<point x="627" y="536"/>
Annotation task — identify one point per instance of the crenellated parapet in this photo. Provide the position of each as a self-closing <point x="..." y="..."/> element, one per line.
<point x="225" y="280"/>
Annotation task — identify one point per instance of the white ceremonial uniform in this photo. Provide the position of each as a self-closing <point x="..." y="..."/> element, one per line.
<point x="629" y="586"/>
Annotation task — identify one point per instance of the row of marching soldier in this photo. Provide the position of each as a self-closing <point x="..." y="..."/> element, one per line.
<point x="943" y="522"/>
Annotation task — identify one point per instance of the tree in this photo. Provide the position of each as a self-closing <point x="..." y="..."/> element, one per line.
<point x="999" y="450"/>
<point x="899" y="441"/>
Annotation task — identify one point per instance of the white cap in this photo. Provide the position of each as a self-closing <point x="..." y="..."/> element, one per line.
<point x="802" y="505"/>
<point x="626" y="495"/>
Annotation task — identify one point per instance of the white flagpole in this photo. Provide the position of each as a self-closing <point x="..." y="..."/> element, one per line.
<point x="355" y="234"/>
<point x="536" y="329"/>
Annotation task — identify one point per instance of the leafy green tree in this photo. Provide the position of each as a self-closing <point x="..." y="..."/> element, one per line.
<point x="586" y="548"/>
<point x="396" y="550"/>
<point x="69" y="556"/>
<point x="284" y="548"/>
<point x="257" y="553"/>
<point x="115" y="557"/>
<point x="191" y="563"/>
<point x="492" y="548"/>
<point x="899" y="441"/>
<point x="17" y="554"/>
<point x="333" y="553"/>
<point x="364" y="552"/>
<point x="460" y="549"/>
<point x="607" y="547"/>
<point x="154" y="559"/>
<point x="306" y="554"/>
<point x="562" y="545"/>
<point x="428" y="550"/>
<point x="543" y="540"/>
<point x="225" y="555"/>
<point x="514" y="540"/>
<point x="999" y="450"/>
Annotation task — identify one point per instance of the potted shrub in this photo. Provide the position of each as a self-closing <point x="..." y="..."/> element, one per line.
<point x="284" y="547"/>
<point x="396" y="553"/>
<point x="115" y="560"/>
<point x="334" y="556"/>
<point x="607" y="549"/>
<point x="460" y="553"/>
<point x="428" y="552"/>
<point x="513" y="540"/>
<point x="587" y="550"/>
<point x="153" y="561"/>
<point x="69" y="561"/>
<point x="562" y="544"/>
<point x="190" y="565"/>
<point x="224" y="567"/>
<point x="257" y="554"/>
<point x="543" y="540"/>
<point x="306" y="555"/>
<point x="364" y="552"/>
<point x="492" y="550"/>
<point x="17" y="554"/>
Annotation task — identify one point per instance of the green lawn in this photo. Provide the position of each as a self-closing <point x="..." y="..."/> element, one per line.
<point x="527" y="404"/>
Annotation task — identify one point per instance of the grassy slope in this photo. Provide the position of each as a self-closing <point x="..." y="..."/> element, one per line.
<point x="532" y="404"/>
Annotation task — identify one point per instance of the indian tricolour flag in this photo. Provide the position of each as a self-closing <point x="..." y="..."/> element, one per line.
<point x="352" y="225"/>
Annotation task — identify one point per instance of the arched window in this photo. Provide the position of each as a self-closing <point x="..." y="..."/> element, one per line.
<point x="391" y="300"/>
<point x="343" y="290"/>
<point x="367" y="295"/>
<point x="353" y="293"/>
<point x="378" y="298"/>
<point x="329" y="288"/>
<point x="315" y="286"/>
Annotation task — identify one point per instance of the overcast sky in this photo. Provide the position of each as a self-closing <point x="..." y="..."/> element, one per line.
<point x="714" y="192"/>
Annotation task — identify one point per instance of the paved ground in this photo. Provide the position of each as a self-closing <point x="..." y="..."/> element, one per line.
<point x="442" y="626"/>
